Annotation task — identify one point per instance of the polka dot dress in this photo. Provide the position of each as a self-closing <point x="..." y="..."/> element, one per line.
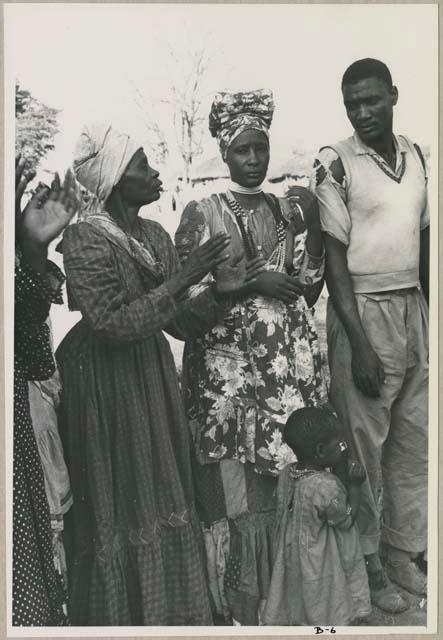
<point x="37" y="593"/>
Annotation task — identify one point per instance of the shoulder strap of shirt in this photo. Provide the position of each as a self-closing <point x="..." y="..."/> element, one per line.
<point x="420" y="155"/>
<point x="417" y="152"/>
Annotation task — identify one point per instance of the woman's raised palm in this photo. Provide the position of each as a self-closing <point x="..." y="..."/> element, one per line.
<point x="50" y="209"/>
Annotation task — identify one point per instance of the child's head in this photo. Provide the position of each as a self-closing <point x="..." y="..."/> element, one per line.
<point x="315" y="436"/>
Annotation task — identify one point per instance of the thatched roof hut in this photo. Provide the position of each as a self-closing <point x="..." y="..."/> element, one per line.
<point x="209" y="170"/>
<point x="297" y="167"/>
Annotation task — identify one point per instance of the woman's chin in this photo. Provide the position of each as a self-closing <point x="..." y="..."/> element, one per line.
<point x="252" y="181"/>
<point x="153" y="197"/>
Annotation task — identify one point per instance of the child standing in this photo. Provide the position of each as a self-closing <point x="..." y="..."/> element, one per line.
<point x="319" y="575"/>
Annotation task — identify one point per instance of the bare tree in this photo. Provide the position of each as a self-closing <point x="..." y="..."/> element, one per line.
<point x="187" y="99"/>
<point x="157" y="140"/>
<point x="181" y="103"/>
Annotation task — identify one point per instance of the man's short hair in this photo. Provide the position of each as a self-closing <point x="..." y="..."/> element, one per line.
<point x="367" y="68"/>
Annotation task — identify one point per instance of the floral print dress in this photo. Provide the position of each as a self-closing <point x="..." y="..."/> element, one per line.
<point x="242" y="380"/>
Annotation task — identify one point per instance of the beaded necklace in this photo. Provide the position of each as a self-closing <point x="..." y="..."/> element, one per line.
<point x="242" y="220"/>
<point x="297" y="470"/>
<point x="241" y="216"/>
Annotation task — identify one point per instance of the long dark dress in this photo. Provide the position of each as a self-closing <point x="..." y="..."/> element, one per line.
<point x="37" y="594"/>
<point x="133" y="540"/>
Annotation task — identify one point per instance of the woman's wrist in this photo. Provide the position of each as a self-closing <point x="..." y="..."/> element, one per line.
<point x="219" y="296"/>
<point x="35" y="255"/>
<point x="178" y="284"/>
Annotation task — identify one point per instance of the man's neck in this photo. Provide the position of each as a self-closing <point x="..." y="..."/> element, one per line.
<point x="384" y="146"/>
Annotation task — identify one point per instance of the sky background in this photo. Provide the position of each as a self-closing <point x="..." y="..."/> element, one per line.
<point x="88" y="60"/>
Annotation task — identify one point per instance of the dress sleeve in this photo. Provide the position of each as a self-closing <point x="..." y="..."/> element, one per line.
<point x="193" y="231"/>
<point x="199" y="310"/>
<point x="33" y="297"/>
<point x="332" y="504"/>
<point x="97" y="292"/>
<point x="311" y="269"/>
<point x="330" y="190"/>
<point x="308" y="269"/>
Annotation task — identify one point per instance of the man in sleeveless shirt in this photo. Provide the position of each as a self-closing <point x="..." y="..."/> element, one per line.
<point x="375" y="218"/>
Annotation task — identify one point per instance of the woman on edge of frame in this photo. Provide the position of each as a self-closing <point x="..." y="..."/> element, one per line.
<point x="38" y="597"/>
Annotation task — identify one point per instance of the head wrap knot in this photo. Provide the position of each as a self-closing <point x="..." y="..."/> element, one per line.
<point x="233" y="113"/>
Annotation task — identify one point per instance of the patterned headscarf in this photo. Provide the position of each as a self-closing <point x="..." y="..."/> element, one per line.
<point x="101" y="157"/>
<point x="233" y="113"/>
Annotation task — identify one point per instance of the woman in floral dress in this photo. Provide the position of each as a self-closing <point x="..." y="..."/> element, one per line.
<point x="244" y="377"/>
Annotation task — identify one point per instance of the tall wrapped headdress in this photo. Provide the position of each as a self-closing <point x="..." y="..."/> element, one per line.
<point x="233" y="113"/>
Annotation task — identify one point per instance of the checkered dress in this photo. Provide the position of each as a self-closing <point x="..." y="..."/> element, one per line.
<point x="133" y="540"/>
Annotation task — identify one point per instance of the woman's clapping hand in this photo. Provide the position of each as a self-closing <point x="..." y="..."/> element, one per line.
<point x="45" y="216"/>
<point x="238" y="277"/>
<point x="23" y="177"/>
<point x="49" y="210"/>
<point x="206" y="258"/>
<point x="242" y="279"/>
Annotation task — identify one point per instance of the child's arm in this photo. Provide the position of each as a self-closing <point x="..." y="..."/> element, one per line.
<point x="341" y="501"/>
<point x="332" y="503"/>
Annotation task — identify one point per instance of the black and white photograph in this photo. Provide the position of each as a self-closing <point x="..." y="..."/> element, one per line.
<point x="221" y="328"/>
